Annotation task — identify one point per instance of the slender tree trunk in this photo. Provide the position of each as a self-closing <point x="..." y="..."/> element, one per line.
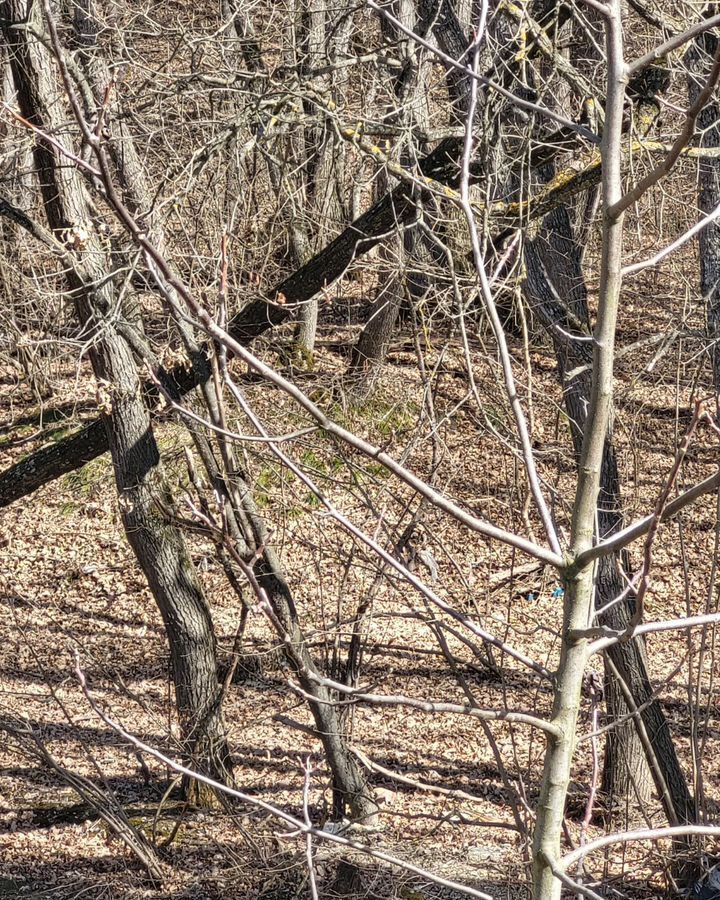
<point x="145" y="501"/>
<point x="554" y="270"/>
<point x="308" y="38"/>
<point x="351" y="791"/>
<point x="396" y="286"/>
<point x="306" y="183"/>
<point x="579" y="590"/>
<point x="352" y="795"/>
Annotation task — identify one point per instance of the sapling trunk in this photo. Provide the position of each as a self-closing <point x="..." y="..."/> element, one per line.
<point x="579" y="587"/>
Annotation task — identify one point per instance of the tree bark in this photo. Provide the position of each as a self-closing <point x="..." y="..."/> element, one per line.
<point x="145" y="501"/>
<point x="395" y="287"/>
<point x="708" y="175"/>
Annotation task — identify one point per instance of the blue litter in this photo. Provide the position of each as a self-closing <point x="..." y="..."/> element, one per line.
<point x="558" y="592"/>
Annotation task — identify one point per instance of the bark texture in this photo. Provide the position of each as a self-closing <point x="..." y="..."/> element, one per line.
<point x="398" y="284"/>
<point x="145" y="501"/>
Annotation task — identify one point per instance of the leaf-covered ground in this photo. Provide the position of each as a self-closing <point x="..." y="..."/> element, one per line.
<point x="69" y="586"/>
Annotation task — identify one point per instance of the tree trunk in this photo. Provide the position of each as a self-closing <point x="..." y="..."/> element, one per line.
<point x="352" y="794"/>
<point x="698" y="59"/>
<point x="554" y="272"/>
<point x="626" y="777"/>
<point x="144" y="498"/>
<point x="308" y="38"/>
<point x="395" y="285"/>
<point x="371" y="348"/>
<point x="554" y="263"/>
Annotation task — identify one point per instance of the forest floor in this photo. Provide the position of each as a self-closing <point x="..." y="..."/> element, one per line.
<point x="69" y="586"/>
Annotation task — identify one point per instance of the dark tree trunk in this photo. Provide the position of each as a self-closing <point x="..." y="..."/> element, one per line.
<point x="371" y="348"/>
<point x="352" y="794"/>
<point x="556" y="280"/>
<point x="553" y="262"/>
<point x="398" y="287"/>
<point x="699" y="58"/>
<point x="144" y="498"/>
<point x="557" y="291"/>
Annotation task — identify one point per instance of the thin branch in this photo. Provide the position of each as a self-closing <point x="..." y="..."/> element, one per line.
<point x="661" y="504"/>
<point x="675" y="245"/>
<point x="680" y="143"/>
<point x="673" y="43"/>
<point x="453" y="793"/>
<point x="497" y="326"/>
<point x="483" y="79"/>
<point x="612" y="637"/>
<point x="638" y="529"/>
<point x="429" y="706"/>
<point x="64" y="151"/>
<point x="646" y="834"/>
<point x="16" y="215"/>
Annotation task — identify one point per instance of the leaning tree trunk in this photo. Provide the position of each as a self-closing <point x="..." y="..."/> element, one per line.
<point x="352" y="795"/>
<point x="144" y="497"/>
<point x="554" y="272"/>
<point x="248" y="541"/>
<point x="396" y="285"/>
<point x="253" y="320"/>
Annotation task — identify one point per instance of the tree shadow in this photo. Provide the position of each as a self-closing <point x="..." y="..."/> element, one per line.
<point x="71" y="609"/>
<point x="88" y="877"/>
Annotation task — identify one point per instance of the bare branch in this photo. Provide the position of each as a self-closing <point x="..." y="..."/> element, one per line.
<point x="674" y="43"/>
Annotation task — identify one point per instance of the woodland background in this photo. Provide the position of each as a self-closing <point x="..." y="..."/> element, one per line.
<point x="334" y="285"/>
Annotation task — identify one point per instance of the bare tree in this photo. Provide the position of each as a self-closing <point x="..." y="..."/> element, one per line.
<point x="144" y="497"/>
<point x="515" y="149"/>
